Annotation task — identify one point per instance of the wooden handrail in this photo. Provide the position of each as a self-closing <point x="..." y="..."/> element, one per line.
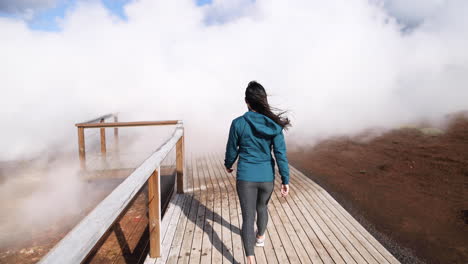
<point x="79" y="242"/>
<point x="102" y="125"/>
<point x="127" y="124"/>
<point x="98" y="119"/>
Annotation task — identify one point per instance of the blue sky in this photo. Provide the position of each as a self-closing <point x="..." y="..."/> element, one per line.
<point x="46" y="19"/>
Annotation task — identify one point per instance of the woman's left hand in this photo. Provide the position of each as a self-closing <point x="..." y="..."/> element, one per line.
<point x="284" y="190"/>
<point x="229" y="170"/>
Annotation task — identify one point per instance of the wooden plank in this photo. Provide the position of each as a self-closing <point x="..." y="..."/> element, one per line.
<point x="208" y="228"/>
<point x="200" y="198"/>
<point x="335" y="239"/>
<point x="77" y="244"/>
<point x="217" y="239"/>
<point x="333" y="220"/>
<point x="372" y="245"/>
<point x="237" y="249"/>
<point x="182" y="242"/>
<point x="175" y="202"/>
<point x="305" y="249"/>
<point x="224" y="219"/>
<point x="275" y="240"/>
<point x="283" y="236"/>
<point x="128" y="124"/>
<point x="296" y="243"/>
<point x="180" y="165"/>
<point x="181" y="237"/>
<point x="323" y="238"/>
<point x="346" y="249"/>
<point x="359" y="228"/>
<point x="269" y="250"/>
<point x="171" y="229"/>
<point x="311" y="242"/>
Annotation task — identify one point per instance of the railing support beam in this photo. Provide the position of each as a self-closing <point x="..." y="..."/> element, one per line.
<point x="103" y="140"/>
<point x="180" y="165"/>
<point x="116" y="133"/>
<point x="81" y="148"/>
<point x="154" y="214"/>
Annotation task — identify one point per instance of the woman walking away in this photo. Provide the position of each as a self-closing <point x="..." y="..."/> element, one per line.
<point x="252" y="137"/>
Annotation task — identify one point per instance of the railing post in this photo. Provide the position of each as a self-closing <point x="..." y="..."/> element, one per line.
<point x="116" y="133"/>
<point x="154" y="205"/>
<point x="81" y="148"/>
<point x="103" y="140"/>
<point x="180" y="164"/>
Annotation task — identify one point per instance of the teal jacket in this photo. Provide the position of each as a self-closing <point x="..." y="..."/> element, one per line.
<point x="252" y="137"/>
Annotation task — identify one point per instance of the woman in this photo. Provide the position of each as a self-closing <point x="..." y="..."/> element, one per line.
<point x="252" y="137"/>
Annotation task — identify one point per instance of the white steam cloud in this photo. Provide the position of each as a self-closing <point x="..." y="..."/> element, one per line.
<point x="340" y="66"/>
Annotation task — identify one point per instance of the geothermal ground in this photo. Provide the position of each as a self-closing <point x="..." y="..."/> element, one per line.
<point x="408" y="186"/>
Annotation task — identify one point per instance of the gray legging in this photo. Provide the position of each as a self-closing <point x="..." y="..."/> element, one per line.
<point x="253" y="196"/>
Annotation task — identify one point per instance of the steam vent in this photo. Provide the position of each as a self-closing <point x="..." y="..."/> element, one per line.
<point x="182" y="207"/>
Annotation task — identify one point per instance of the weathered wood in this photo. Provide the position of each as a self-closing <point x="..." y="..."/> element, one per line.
<point x="225" y="201"/>
<point x="207" y="244"/>
<point x="182" y="249"/>
<point x="236" y="216"/>
<point x="186" y="220"/>
<point x="305" y="223"/>
<point x="169" y="217"/>
<point x="288" y="219"/>
<point x="116" y="129"/>
<point x="171" y="230"/>
<point x="116" y="133"/>
<point x="128" y="124"/>
<point x="311" y="242"/>
<point x="216" y="240"/>
<point x="103" y="140"/>
<point x="81" y="148"/>
<point x="370" y="243"/>
<point x="154" y="206"/>
<point x="180" y="165"/>
<point x="97" y="119"/>
<point x="77" y="244"/>
<point x="346" y="249"/>
<point x="194" y="241"/>
<point x="359" y="253"/>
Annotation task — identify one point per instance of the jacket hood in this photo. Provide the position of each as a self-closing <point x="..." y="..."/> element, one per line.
<point x="262" y="124"/>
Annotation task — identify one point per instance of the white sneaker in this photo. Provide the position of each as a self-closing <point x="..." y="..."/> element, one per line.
<point x="260" y="241"/>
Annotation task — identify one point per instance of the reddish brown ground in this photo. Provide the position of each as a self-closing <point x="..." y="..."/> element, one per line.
<point x="409" y="187"/>
<point x="126" y="243"/>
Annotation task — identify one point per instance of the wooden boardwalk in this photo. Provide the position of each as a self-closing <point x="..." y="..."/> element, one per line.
<point x="308" y="226"/>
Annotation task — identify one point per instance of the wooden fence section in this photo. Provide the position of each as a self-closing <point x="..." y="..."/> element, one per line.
<point x="309" y="226"/>
<point x="77" y="245"/>
<point x="102" y="125"/>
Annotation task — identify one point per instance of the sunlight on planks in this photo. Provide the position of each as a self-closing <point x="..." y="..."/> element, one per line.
<point x="309" y="226"/>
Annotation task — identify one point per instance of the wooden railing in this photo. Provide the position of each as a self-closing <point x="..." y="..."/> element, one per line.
<point x="81" y="136"/>
<point x="77" y="245"/>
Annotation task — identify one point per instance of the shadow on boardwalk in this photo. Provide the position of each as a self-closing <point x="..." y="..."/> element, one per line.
<point x="195" y="211"/>
<point x="204" y="222"/>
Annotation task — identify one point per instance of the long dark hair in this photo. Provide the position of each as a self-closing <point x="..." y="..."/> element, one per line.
<point x="256" y="97"/>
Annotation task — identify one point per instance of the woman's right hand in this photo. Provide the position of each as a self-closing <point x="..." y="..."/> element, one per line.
<point x="284" y="190"/>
